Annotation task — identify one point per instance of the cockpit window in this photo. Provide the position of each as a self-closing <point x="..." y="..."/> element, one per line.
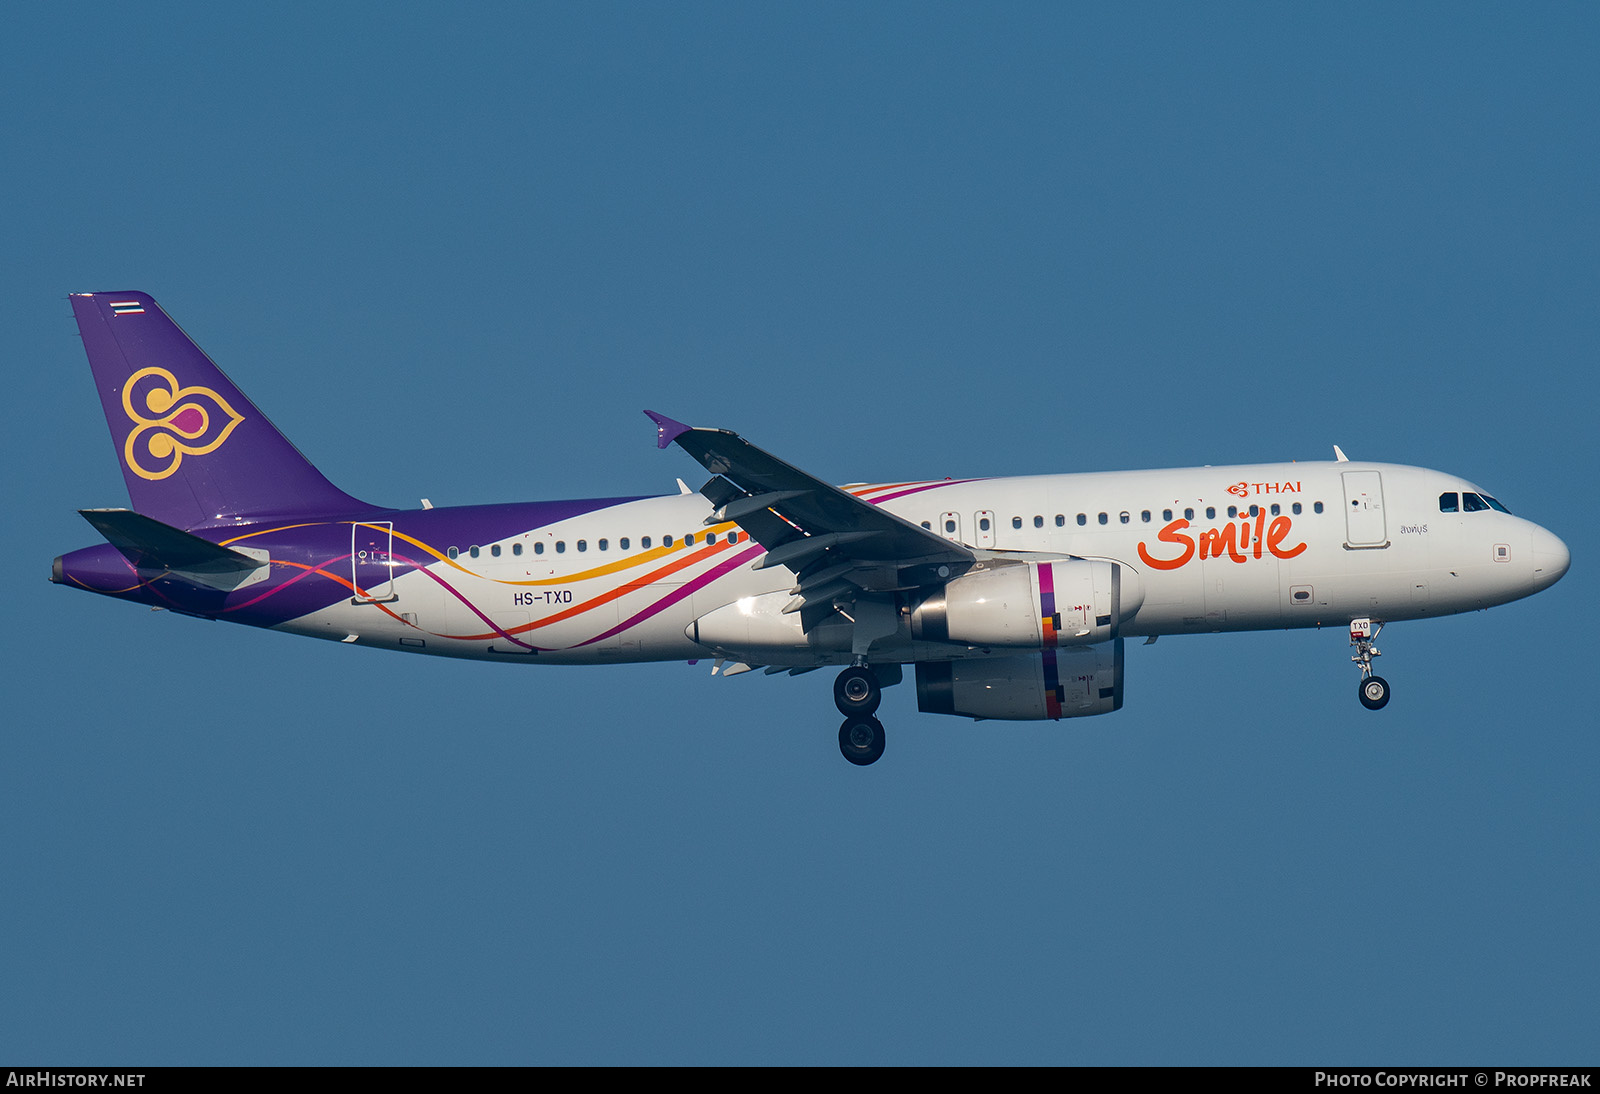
<point x="1472" y="503"/>
<point x="1496" y="505"/>
<point x="1449" y="503"/>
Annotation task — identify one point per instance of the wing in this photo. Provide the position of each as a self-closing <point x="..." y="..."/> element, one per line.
<point x="838" y="545"/>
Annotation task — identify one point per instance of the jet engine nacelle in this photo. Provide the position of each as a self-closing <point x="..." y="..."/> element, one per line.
<point x="1031" y="605"/>
<point x="1068" y="683"/>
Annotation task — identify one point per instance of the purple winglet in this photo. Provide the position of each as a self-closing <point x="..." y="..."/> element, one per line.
<point x="667" y="430"/>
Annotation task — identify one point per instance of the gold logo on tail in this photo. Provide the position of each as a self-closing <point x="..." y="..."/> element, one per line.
<point x="175" y="422"/>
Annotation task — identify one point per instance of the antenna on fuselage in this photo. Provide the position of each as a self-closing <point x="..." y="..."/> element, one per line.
<point x="1338" y="454"/>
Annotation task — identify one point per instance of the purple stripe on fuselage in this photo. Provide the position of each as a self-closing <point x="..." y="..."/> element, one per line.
<point x="311" y="561"/>
<point x="918" y="489"/>
<point x="494" y="628"/>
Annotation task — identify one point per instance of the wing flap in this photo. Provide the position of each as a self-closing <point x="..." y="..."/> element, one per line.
<point x="797" y="552"/>
<point x="754" y="503"/>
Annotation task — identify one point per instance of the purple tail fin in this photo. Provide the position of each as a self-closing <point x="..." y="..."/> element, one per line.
<point x="193" y="449"/>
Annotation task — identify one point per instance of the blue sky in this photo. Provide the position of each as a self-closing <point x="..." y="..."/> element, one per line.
<point x="454" y="254"/>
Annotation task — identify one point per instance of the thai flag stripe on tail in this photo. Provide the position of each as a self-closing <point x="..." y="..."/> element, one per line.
<point x="126" y="307"/>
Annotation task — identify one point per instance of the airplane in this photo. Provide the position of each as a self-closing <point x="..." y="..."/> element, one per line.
<point x="1011" y="598"/>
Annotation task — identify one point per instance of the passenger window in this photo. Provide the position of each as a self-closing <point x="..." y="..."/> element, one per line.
<point x="984" y="524"/>
<point x="688" y="540"/>
<point x="666" y="541"/>
<point x="1276" y="509"/>
<point x="583" y="545"/>
<point x="538" y="548"/>
<point x="1123" y="516"/>
<point x="452" y="552"/>
<point x="516" y="548"/>
<point x="1233" y="511"/>
<point x="1295" y="509"/>
<point x="1211" y="512"/>
<point x="1104" y="519"/>
<point x="949" y="526"/>
<point x="1188" y="514"/>
<point x="733" y="537"/>
<point x="622" y="544"/>
<point x="644" y="543"/>
<point x="1016" y="522"/>
<point x="1061" y="520"/>
<point x="561" y="546"/>
<point x="1316" y="507"/>
<point x="1255" y="510"/>
<point x="1166" y="514"/>
<point x="927" y="525"/>
<point x="1038" y="522"/>
<point x="1083" y="518"/>
<point x="495" y="550"/>
<point x="711" y="537"/>
<point x="603" y="544"/>
<point x="473" y="551"/>
<point x="1145" y="516"/>
<point x="1449" y="502"/>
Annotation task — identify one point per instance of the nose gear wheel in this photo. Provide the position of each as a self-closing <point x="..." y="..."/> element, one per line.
<point x="1374" y="690"/>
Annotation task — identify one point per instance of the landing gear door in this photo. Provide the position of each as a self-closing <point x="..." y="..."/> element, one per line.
<point x="372" y="561"/>
<point x="1365" y="525"/>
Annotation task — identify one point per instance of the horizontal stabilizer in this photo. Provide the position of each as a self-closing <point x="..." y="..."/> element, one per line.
<point x="152" y="545"/>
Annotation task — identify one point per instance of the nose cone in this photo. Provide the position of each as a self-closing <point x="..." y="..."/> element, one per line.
<point x="1550" y="559"/>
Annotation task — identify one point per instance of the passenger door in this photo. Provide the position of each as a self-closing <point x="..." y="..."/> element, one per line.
<point x="1365" y="524"/>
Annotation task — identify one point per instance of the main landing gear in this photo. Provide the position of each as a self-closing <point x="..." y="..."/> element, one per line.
<point x="857" y="694"/>
<point x="1374" y="689"/>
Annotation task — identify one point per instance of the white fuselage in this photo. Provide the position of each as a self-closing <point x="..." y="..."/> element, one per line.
<point x="1215" y="548"/>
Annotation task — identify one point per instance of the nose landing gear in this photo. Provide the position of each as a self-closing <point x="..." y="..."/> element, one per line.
<point x="857" y="694"/>
<point x="1374" y="690"/>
